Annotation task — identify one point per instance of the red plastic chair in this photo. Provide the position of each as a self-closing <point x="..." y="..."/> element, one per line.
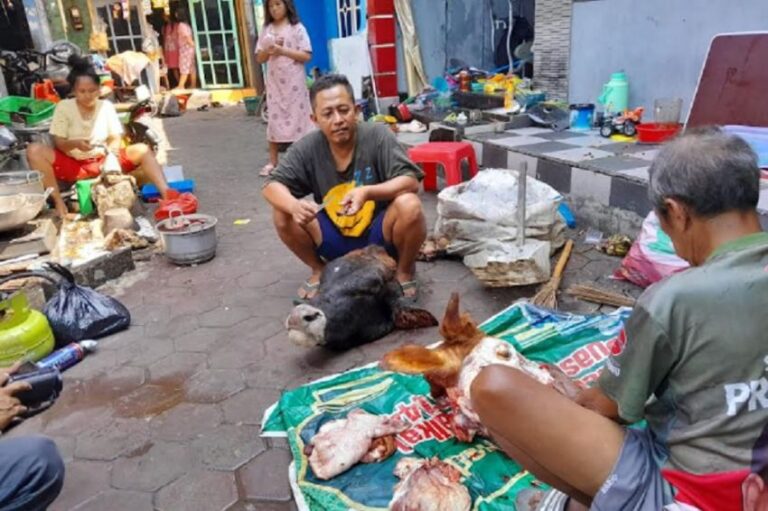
<point x="449" y="155"/>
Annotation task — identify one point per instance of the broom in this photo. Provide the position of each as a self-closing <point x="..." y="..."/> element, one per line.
<point x="595" y="294"/>
<point x="547" y="295"/>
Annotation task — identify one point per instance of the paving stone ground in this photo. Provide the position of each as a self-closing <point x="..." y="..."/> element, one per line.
<point x="166" y="415"/>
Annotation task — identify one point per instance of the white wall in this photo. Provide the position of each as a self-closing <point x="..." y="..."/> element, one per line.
<point x="661" y="44"/>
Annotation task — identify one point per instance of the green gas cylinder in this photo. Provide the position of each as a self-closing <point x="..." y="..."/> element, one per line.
<point x="24" y="332"/>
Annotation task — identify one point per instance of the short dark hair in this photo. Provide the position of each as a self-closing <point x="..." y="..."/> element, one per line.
<point x="326" y="82"/>
<point x="180" y="15"/>
<point x="711" y="171"/>
<point x="290" y="10"/>
<point x="81" y="66"/>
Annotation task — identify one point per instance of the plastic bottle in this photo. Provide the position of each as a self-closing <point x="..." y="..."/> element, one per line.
<point x="68" y="356"/>
<point x="465" y="82"/>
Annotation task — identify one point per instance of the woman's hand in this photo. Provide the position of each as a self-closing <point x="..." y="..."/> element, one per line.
<point x="82" y="145"/>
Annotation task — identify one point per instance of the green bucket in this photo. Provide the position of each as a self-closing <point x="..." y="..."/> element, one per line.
<point x="252" y="104"/>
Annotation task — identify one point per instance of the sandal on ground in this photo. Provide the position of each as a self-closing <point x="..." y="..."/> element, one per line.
<point x="309" y="290"/>
<point x="410" y="298"/>
<point x="538" y="500"/>
<point x="266" y="170"/>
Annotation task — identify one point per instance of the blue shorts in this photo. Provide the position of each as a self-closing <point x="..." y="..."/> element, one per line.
<point x="636" y="483"/>
<point x="335" y="245"/>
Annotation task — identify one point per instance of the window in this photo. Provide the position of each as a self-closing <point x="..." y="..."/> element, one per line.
<point x="123" y="34"/>
<point x="350" y="17"/>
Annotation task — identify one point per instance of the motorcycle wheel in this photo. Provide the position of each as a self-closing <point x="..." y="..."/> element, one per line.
<point x="630" y="129"/>
<point x="606" y="130"/>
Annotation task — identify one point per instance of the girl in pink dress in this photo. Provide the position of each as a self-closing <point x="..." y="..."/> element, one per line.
<point x="186" y="44"/>
<point x="171" y="47"/>
<point x="284" y="44"/>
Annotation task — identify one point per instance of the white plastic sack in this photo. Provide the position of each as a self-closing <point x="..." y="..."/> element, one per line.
<point x="484" y="210"/>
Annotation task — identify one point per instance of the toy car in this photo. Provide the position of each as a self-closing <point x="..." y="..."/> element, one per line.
<point x="625" y="124"/>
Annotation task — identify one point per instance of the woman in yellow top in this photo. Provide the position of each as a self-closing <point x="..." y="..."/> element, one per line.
<point x="83" y="129"/>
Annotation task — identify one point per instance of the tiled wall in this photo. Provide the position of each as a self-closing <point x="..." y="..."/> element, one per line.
<point x="552" y="46"/>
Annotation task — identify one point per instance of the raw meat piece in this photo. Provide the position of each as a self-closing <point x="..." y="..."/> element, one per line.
<point x="340" y="444"/>
<point x="429" y="485"/>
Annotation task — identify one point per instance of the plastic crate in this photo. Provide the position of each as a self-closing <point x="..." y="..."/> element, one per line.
<point x="33" y="111"/>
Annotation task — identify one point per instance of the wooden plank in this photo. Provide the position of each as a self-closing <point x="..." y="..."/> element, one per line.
<point x="37" y="237"/>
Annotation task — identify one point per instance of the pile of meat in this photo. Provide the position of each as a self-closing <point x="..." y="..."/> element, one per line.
<point x="425" y="485"/>
<point x="359" y="438"/>
<point x="451" y="368"/>
<point x="429" y="485"/>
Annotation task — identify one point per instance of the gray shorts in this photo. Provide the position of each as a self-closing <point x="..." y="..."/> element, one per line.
<point x="635" y="483"/>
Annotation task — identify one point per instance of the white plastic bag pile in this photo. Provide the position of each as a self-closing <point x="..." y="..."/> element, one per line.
<point x="479" y="217"/>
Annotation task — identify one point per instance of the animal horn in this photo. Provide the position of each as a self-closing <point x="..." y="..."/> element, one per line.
<point x="452" y="315"/>
<point x="458" y="328"/>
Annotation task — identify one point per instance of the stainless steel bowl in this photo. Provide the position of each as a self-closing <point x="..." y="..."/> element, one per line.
<point x="17" y="210"/>
<point x="22" y="181"/>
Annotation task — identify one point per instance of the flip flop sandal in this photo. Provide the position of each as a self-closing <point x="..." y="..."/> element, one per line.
<point x="266" y="170"/>
<point x="309" y="289"/>
<point x="552" y="500"/>
<point x="407" y="286"/>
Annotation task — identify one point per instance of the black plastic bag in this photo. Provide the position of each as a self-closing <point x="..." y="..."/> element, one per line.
<point x="76" y="312"/>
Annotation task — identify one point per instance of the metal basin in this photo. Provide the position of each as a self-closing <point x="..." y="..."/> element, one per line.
<point x="22" y="181"/>
<point x="189" y="239"/>
<point x="17" y="210"/>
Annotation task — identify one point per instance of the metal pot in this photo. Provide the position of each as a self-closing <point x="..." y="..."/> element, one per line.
<point x="189" y="239"/>
<point x="17" y="210"/>
<point x="23" y="181"/>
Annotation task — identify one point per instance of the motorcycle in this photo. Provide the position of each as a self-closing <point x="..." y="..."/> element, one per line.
<point x="9" y="147"/>
<point x="26" y="70"/>
<point x="138" y="128"/>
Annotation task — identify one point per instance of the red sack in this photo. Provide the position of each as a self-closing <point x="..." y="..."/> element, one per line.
<point x="184" y="202"/>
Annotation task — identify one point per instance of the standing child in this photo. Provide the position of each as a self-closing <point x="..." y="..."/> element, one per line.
<point x="284" y="43"/>
<point x="171" y="47"/>
<point x="186" y="45"/>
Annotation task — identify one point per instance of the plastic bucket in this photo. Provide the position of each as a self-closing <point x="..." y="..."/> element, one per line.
<point x="582" y="116"/>
<point x="654" y="133"/>
<point x="252" y="104"/>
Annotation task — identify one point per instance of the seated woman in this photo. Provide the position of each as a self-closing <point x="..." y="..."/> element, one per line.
<point x="83" y="129"/>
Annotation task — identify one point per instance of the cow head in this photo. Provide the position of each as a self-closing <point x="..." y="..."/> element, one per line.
<point x="358" y="302"/>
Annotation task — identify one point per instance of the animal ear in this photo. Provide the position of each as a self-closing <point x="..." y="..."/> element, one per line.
<point x="458" y="328"/>
<point x="412" y="359"/>
<point x="411" y="319"/>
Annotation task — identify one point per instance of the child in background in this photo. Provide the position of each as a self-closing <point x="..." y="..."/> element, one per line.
<point x="284" y="44"/>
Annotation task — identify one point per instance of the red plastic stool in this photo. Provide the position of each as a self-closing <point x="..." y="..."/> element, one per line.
<point x="449" y="155"/>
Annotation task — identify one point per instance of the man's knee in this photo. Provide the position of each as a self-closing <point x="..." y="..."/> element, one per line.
<point x="408" y="208"/>
<point x="37" y="474"/>
<point x="283" y="221"/>
<point x="45" y="457"/>
<point x="493" y="384"/>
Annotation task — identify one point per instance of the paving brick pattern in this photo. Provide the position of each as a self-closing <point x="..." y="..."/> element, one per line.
<point x="165" y="416"/>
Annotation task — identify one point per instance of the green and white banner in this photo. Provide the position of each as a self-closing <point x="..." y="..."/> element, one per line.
<point x="577" y="344"/>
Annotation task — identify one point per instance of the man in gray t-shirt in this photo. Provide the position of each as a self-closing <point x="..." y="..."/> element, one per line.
<point x="691" y="362"/>
<point x="362" y="185"/>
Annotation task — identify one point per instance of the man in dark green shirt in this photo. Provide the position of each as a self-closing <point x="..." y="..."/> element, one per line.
<point x="691" y="361"/>
<point x="362" y="184"/>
